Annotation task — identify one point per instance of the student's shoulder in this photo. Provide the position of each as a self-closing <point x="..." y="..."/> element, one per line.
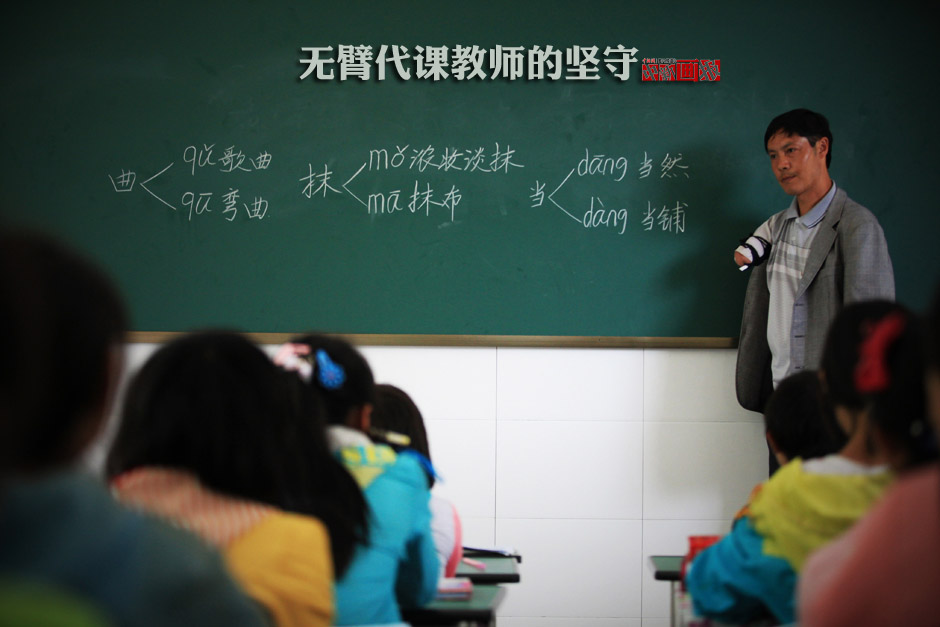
<point x="911" y="503"/>
<point x="285" y="533"/>
<point x="141" y="570"/>
<point x="412" y="468"/>
<point x="285" y="563"/>
<point x="180" y="577"/>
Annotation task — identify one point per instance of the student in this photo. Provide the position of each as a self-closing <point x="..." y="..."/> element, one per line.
<point x="395" y="412"/>
<point x="211" y="440"/>
<point x="805" y="504"/>
<point x="798" y="424"/>
<point x="799" y="421"/>
<point x="399" y="565"/>
<point x="61" y="328"/>
<point x="885" y="571"/>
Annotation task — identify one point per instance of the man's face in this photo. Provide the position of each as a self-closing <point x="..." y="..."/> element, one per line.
<point x="797" y="165"/>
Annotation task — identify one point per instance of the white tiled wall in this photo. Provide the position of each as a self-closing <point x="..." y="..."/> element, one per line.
<point x="586" y="460"/>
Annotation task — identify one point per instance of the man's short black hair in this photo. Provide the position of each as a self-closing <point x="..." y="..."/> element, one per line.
<point x="803" y="122"/>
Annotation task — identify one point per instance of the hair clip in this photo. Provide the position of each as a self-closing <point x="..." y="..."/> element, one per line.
<point x="871" y="372"/>
<point x="295" y="358"/>
<point x="329" y="373"/>
<point x="391" y="437"/>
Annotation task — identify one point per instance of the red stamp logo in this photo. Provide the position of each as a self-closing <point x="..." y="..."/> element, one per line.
<point x="685" y="70"/>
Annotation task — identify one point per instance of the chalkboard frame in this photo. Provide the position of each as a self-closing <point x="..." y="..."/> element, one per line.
<point x="482" y="341"/>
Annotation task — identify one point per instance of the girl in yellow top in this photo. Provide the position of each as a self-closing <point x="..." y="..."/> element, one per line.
<point x="807" y="503"/>
<point x="210" y="439"/>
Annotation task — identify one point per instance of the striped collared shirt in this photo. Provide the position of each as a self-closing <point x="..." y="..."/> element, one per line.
<point x="787" y="317"/>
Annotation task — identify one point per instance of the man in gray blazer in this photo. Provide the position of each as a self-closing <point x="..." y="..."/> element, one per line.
<point x="825" y="251"/>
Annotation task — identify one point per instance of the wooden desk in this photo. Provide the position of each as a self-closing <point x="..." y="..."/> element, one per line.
<point x="480" y="609"/>
<point x="499" y="569"/>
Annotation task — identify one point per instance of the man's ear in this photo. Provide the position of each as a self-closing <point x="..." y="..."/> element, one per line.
<point x="822" y="146"/>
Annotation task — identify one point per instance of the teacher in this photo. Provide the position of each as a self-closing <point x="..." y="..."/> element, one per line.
<point x="826" y="250"/>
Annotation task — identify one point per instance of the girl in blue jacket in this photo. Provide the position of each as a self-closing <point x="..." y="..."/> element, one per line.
<point x="397" y="566"/>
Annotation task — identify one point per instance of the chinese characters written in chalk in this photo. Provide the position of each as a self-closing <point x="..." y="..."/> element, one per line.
<point x="464" y="63"/>
<point x="227" y="160"/>
<point x="421" y="198"/>
<point x="616" y="167"/>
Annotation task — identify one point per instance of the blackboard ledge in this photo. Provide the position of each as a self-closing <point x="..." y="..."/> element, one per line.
<point x="538" y="341"/>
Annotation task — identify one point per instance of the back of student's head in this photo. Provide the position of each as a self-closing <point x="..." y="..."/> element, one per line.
<point x="214" y="404"/>
<point x="841" y="351"/>
<point x="341" y="376"/>
<point x="61" y="327"/>
<point x="873" y="362"/>
<point x="396" y="411"/>
<point x="891" y="377"/>
<point x="799" y="420"/>
<point x="211" y="403"/>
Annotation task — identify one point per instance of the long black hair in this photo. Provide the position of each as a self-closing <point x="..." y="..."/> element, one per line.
<point x="214" y="404"/>
<point x="874" y="360"/>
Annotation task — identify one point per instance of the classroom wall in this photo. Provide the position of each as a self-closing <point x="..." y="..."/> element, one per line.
<point x="585" y="460"/>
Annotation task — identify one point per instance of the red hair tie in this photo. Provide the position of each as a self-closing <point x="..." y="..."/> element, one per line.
<point x="871" y="372"/>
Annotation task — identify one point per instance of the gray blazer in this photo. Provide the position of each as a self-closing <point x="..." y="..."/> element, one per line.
<point x="848" y="262"/>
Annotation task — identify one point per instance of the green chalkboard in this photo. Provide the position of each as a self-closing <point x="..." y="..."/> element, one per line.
<point x="177" y="143"/>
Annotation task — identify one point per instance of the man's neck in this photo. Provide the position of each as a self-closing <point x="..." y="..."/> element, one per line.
<point x="808" y="199"/>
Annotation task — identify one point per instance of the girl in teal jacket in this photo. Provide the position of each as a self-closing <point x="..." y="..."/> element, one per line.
<point x="397" y="566"/>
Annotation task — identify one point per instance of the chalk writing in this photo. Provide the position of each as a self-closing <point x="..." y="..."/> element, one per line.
<point x="670" y="164"/>
<point x="599" y="216"/>
<point x="431" y="198"/>
<point x="616" y="167"/>
<point x="538" y="194"/>
<point x="257" y="209"/>
<point x="671" y="220"/>
<point x="262" y="161"/>
<point x="204" y="156"/>
<point x="601" y="165"/>
<point x="421" y="159"/>
<point x="144" y="187"/>
<point x="200" y="205"/>
<point x="322" y="181"/>
<point x="125" y="181"/>
<point x="230" y="200"/>
<point x="646" y="166"/>
<point x="232" y="161"/>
